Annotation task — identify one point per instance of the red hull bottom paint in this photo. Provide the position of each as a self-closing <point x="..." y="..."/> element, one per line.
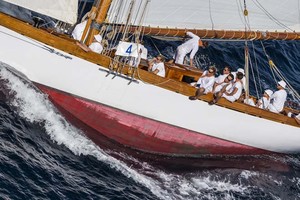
<point x="142" y="133"/>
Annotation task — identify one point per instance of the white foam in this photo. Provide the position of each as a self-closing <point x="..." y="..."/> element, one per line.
<point x="246" y="174"/>
<point x="36" y="108"/>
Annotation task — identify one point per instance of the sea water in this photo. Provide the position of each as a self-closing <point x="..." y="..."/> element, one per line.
<point x="43" y="156"/>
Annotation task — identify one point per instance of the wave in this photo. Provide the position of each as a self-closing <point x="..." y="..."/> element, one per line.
<point x="35" y="107"/>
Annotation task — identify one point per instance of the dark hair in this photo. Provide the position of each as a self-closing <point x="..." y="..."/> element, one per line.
<point x="213" y="68"/>
<point x="228" y="67"/>
<point x="205" y="43"/>
<point x="231" y="75"/>
<point x="239" y="75"/>
<point x="162" y="57"/>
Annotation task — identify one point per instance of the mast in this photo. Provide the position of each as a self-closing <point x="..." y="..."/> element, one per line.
<point x="98" y="15"/>
<point x="246" y="68"/>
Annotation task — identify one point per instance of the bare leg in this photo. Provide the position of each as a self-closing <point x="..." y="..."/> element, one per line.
<point x="199" y="92"/>
<point x="216" y="98"/>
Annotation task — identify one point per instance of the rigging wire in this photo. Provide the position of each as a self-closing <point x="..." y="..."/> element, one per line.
<point x="246" y="53"/>
<point x="256" y="67"/>
<point x="249" y="58"/>
<point x="269" y="61"/>
<point x="272" y="17"/>
<point x="82" y="10"/>
<point x="255" y="84"/>
<point x="210" y="16"/>
<point x="276" y="72"/>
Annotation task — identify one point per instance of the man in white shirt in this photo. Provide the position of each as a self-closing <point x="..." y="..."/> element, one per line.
<point x="220" y="80"/>
<point x="226" y="84"/>
<point x="295" y="116"/>
<point x="205" y="82"/>
<point x="157" y="66"/>
<point x="233" y="93"/>
<point x="278" y="98"/>
<point x="191" y="46"/>
<point x="244" y="78"/>
<point x="264" y="102"/>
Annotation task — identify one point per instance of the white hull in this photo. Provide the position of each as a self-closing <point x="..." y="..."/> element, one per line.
<point x="84" y="79"/>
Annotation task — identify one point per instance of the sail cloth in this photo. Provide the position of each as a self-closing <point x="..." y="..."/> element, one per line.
<point x="63" y="10"/>
<point x="266" y="15"/>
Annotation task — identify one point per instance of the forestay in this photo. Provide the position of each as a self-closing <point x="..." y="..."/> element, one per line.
<point x="63" y="10"/>
<point x="267" y="15"/>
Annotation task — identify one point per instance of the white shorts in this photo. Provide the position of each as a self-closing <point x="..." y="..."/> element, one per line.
<point x="229" y="98"/>
<point x="272" y="108"/>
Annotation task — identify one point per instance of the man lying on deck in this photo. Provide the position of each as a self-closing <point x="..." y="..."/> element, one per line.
<point x="232" y="94"/>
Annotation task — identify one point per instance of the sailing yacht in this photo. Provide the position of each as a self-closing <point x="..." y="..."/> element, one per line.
<point x="112" y="92"/>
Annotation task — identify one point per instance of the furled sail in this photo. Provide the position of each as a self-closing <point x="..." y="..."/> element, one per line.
<point x="63" y="10"/>
<point x="267" y="15"/>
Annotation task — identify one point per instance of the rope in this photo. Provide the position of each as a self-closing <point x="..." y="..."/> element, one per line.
<point x="274" y="69"/>
<point x="82" y="10"/>
<point x="155" y="46"/>
<point x="210" y="16"/>
<point x="272" y="17"/>
<point x="256" y="65"/>
<point x="269" y="59"/>
<point x="255" y="85"/>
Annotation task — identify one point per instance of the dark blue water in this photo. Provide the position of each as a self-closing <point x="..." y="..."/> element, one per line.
<point x="43" y="156"/>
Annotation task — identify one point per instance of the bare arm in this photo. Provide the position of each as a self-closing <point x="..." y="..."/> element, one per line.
<point x="232" y="93"/>
<point x="156" y="71"/>
<point x="191" y="62"/>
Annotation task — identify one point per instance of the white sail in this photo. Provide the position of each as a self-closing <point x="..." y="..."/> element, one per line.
<point x="267" y="15"/>
<point x="63" y="10"/>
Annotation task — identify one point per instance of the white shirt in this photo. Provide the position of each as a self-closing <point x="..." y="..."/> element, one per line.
<point x="249" y="102"/>
<point x="264" y="103"/>
<point x="243" y="79"/>
<point x="219" y="87"/>
<point x="221" y="78"/>
<point x="161" y="69"/>
<point x="206" y="82"/>
<point x="278" y="99"/>
<point x="189" y="46"/>
<point x="78" y="30"/>
<point x="96" y="47"/>
<point x="144" y="54"/>
<point x="239" y="87"/>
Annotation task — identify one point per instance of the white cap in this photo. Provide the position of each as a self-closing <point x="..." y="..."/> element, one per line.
<point x="282" y="83"/>
<point x="241" y="70"/>
<point x="98" y="37"/>
<point x="269" y="92"/>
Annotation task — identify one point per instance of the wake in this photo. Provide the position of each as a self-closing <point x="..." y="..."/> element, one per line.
<point x="35" y="107"/>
